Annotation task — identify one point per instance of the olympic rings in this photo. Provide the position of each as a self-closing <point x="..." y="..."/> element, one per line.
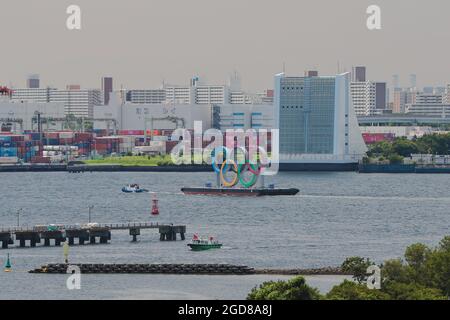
<point x="238" y="168"/>
<point x="222" y="174"/>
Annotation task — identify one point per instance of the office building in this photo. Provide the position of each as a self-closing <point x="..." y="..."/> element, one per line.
<point x="317" y="123"/>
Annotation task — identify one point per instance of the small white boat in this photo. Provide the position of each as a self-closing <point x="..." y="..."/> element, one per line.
<point x="133" y="188"/>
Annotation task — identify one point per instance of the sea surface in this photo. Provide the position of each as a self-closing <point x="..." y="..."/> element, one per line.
<point x="335" y="215"/>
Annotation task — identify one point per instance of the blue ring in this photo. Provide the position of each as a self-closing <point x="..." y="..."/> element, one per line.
<point x="213" y="159"/>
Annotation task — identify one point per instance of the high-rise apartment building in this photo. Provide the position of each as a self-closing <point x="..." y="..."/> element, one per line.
<point x="369" y="98"/>
<point x="359" y="74"/>
<point x="33" y="81"/>
<point x="107" y="89"/>
<point x="40" y="95"/>
<point x="79" y="103"/>
<point x="146" y="96"/>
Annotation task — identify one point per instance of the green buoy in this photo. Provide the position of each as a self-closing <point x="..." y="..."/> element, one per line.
<point x="8" y="265"/>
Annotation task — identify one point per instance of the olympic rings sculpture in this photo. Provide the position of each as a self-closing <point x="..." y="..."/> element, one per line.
<point x="229" y="165"/>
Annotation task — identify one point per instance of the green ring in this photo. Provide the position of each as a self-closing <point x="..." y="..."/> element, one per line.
<point x="250" y="183"/>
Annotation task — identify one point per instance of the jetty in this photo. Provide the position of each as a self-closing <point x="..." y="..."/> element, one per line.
<point x="211" y="269"/>
<point x="83" y="234"/>
<point x="198" y="269"/>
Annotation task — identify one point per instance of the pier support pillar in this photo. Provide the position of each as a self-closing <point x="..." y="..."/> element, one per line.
<point x="5" y="244"/>
<point x="71" y="241"/>
<point x="182" y="236"/>
<point x="47" y="242"/>
<point x="92" y="240"/>
<point x="81" y="241"/>
<point x="135" y="232"/>
<point x="32" y="243"/>
<point x="57" y="242"/>
<point x="22" y="243"/>
<point x="103" y="240"/>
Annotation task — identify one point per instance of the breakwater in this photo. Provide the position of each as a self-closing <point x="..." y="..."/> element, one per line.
<point x="223" y="269"/>
<point x="205" y="269"/>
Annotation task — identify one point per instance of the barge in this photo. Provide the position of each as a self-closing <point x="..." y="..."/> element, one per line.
<point x="255" y="192"/>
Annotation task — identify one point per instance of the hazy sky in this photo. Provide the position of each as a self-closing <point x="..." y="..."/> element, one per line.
<point x="143" y="42"/>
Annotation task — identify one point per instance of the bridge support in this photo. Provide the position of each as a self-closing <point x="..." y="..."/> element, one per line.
<point x="6" y="239"/>
<point x="169" y="233"/>
<point x="32" y="236"/>
<point x="58" y="236"/>
<point x="81" y="234"/>
<point x="103" y="233"/>
<point x="135" y="232"/>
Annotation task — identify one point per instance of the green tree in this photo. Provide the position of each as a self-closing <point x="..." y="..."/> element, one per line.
<point x="404" y="147"/>
<point x="395" y="159"/>
<point x="411" y="291"/>
<point x="357" y="266"/>
<point x="349" y="290"/>
<point x="294" y="289"/>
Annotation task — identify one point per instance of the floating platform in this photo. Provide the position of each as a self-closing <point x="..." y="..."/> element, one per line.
<point x="256" y="192"/>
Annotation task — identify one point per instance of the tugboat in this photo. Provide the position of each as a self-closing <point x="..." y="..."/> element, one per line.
<point x="198" y="244"/>
<point x="8" y="265"/>
<point x="133" y="188"/>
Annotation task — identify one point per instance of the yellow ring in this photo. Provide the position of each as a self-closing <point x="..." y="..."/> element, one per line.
<point x="225" y="182"/>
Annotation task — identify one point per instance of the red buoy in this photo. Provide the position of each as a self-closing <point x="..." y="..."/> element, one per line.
<point x="155" y="209"/>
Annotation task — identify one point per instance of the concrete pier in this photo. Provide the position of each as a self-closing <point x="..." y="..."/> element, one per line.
<point x="135" y="232"/>
<point x="99" y="232"/>
<point x="32" y="236"/>
<point x="58" y="237"/>
<point x="169" y="233"/>
<point x="81" y="234"/>
<point x="104" y="235"/>
<point x="6" y="239"/>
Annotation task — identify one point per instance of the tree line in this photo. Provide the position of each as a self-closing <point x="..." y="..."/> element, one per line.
<point x="422" y="274"/>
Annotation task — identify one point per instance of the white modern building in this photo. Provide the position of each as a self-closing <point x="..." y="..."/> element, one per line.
<point x="131" y="116"/>
<point x="429" y="109"/>
<point x="19" y="115"/>
<point x="423" y="98"/>
<point x="244" y="116"/>
<point x="317" y="123"/>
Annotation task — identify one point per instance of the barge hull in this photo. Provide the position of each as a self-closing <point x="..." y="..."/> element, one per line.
<point x="240" y="192"/>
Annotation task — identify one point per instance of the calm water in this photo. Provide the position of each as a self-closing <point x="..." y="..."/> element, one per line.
<point x="336" y="215"/>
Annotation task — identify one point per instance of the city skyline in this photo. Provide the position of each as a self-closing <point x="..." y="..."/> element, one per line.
<point x="218" y="40"/>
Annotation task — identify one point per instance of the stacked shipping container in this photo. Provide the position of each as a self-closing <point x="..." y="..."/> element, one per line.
<point x="24" y="147"/>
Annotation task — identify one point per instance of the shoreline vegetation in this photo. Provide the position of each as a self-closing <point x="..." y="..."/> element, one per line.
<point x="422" y="274"/>
<point x="398" y="150"/>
